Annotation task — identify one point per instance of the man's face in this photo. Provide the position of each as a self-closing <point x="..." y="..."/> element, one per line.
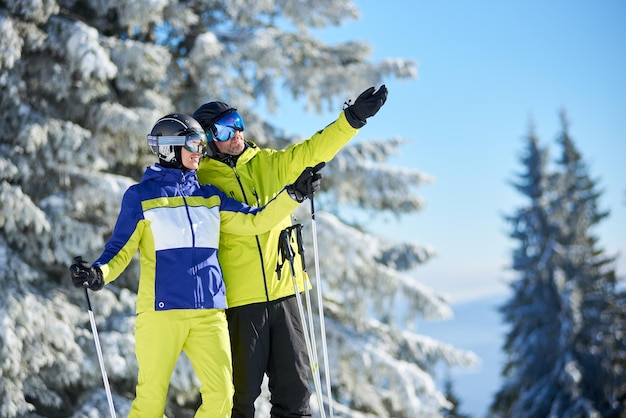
<point x="234" y="146"/>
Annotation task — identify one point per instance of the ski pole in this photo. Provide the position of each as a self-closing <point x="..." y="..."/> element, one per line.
<point x="320" y="306"/>
<point x="307" y="297"/>
<point x="309" y="306"/>
<point x="284" y="247"/>
<point x="96" y="340"/>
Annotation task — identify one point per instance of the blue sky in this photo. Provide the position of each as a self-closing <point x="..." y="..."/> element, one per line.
<point x="486" y="70"/>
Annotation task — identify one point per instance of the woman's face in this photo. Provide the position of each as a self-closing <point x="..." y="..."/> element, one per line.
<point x="190" y="159"/>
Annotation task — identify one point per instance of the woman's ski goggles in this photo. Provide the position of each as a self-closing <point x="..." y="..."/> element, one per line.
<point x="193" y="142"/>
<point x="225" y="127"/>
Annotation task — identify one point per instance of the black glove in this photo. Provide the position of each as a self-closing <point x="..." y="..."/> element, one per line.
<point x="307" y="184"/>
<point x="366" y="105"/>
<point x="84" y="275"/>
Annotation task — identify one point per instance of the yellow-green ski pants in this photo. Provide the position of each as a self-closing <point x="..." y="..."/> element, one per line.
<point x="203" y="335"/>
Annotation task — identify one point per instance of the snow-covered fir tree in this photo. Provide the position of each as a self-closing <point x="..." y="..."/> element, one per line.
<point x="565" y="349"/>
<point x="531" y="345"/>
<point x="82" y="83"/>
<point x="599" y="324"/>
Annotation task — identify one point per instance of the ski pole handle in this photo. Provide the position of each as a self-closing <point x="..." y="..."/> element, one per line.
<point x="298" y="228"/>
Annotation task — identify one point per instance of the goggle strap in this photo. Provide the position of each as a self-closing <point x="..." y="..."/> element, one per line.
<point x="161" y="140"/>
<point x="183" y="141"/>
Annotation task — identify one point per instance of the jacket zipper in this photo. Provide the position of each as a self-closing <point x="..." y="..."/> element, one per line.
<point x="199" y="298"/>
<point x="256" y="237"/>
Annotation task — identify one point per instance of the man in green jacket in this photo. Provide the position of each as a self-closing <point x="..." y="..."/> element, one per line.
<point x="263" y="317"/>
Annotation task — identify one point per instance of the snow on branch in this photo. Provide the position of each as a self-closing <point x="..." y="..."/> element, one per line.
<point x="80" y="44"/>
<point x="36" y="346"/>
<point x="359" y="176"/>
<point x="353" y="274"/>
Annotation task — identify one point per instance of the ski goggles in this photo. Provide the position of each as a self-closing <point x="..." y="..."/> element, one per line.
<point x="225" y="127"/>
<point x="193" y="142"/>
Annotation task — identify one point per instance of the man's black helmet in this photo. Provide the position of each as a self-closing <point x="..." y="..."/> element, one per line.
<point x="207" y="115"/>
<point x="175" y="124"/>
<point x="211" y="112"/>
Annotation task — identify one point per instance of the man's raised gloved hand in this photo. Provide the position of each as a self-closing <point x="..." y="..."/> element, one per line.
<point x="366" y="105"/>
<point x="84" y="275"/>
<point x="306" y="184"/>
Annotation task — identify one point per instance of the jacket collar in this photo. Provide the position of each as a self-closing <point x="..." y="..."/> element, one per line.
<point x="174" y="175"/>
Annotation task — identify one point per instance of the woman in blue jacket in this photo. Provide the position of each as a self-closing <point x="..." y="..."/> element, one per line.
<point x="175" y="224"/>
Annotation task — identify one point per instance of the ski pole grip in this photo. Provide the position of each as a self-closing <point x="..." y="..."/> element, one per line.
<point x="299" y="238"/>
<point x="81" y="264"/>
<point x="287" y="250"/>
<point x="300" y="245"/>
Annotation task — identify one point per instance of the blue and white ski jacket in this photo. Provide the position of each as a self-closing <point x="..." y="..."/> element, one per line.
<point x="175" y="224"/>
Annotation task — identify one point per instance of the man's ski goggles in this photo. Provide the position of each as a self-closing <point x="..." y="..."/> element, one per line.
<point x="225" y="127"/>
<point x="193" y="142"/>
